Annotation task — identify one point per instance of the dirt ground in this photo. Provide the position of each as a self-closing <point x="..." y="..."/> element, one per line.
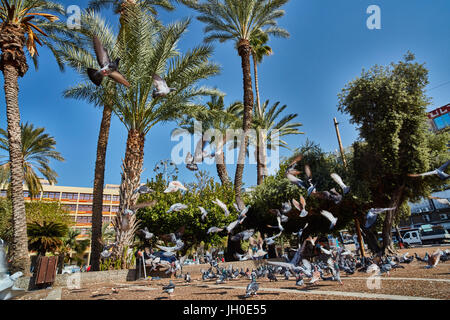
<point x="420" y="283"/>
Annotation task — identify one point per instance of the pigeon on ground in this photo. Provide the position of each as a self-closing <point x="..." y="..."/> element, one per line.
<point x="161" y="88"/>
<point x="439" y="172"/>
<point x="108" y="68"/>
<point x="252" y="287"/>
<point x="170" y="288"/>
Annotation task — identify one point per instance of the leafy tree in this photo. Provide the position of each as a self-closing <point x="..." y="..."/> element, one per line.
<point x="23" y="23"/>
<point x="200" y="193"/>
<point x="46" y="236"/>
<point x="388" y="104"/>
<point x="37" y="149"/>
<point x="239" y="21"/>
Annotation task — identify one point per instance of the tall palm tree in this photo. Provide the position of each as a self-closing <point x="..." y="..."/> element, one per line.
<point x="37" y="150"/>
<point x="99" y="174"/>
<point x="270" y="130"/>
<point x="260" y="49"/>
<point x="215" y="116"/>
<point x="23" y="23"/>
<point x="238" y="20"/>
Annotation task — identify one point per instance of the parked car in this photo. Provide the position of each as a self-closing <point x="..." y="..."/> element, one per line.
<point x="70" y="269"/>
<point x="433" y="235"/>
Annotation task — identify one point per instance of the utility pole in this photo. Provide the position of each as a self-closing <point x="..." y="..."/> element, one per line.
<point x="357" y="226"/>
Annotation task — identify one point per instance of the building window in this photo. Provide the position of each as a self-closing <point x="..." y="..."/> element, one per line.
<point x="84" y="208"/>
<point x="3" y="193"/>
<point x="86" y="196"/>
<point x="106" y="197"/>
<point x="115" y="198"/>
<point x="114" y="209"/>
<point x="70" y="207"/>
<point x="106" y="209"/>
<point x="69" y="196"/>
<point x="426" y="217"/>
<point x="51" y="195"/>
<point x="26" y="194"/>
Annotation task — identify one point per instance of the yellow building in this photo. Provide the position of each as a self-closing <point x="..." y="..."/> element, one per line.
<point x="78" y="201"/>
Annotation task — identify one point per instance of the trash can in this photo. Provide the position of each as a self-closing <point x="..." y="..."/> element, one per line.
<point x="46" y="270"/>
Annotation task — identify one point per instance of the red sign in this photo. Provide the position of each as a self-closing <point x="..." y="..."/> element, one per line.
<point x="439" y="111"/>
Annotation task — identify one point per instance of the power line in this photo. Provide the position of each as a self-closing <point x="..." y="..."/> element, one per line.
<point x="441" y="85"/>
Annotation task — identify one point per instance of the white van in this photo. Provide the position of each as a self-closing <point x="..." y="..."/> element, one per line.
<point x="428" y="235"/>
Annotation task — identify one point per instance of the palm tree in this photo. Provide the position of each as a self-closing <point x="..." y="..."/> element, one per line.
<point x="215" y="116"/>
<point x="259" y="50"/>
<point x="269" y="130"/>
<point x="22" y="24"/>
<point x="99" y="174"/>
<point x="239" y="20"/>
<point x="146" y="48"/>
<point x="37" y="150"/>
<point x="46" y="236"/>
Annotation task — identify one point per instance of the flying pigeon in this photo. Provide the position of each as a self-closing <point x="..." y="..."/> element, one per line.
<point x="372" y="215"/>
<point x="291" y="173"/>
<point x="242" y="257"/>
<point x="148" y="235"/>
<point x="311" y="187"/>
<point x="330" y="217"/>
<point x="439" y="172"/>
<point x="161" y="88"/>
<point x="214" y="229"/>
<point x="339" y="181"/>
<point x="204" y="213"/>
<point x="300" y="232"/>
<point x="179" y="245"/>
<point x="300" y="206"/>
<point x="177" y="207"/>
<point x="8" y="290"/>
<point x="222" y="206"/>
<point x="174" y="186"/>
<point x="143" y="190"/>
<point x="271" y="240"/>
<point x="108" y="67"/>
<point x="232" y="225"/>
<point x="243" y="236"/>
<point x="286" y="207"/>
<point x="243" y="213"/>
<point x="143" y="205"/>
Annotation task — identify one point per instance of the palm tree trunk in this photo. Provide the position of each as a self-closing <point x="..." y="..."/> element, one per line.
<point x="131" y="176"/>
<point x="13" y="64"/>
<point x="244" y="50"/>
<point x="255" y="71"/>
<point x="97" y="204"/>
<point x="221" y="167"/>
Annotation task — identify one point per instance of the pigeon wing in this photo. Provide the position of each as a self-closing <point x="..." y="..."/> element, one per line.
<point x="102" y="56"/>
<point x="118" y="77"/>
<point x="444" y="166"/>
<point x="159" y="83"/>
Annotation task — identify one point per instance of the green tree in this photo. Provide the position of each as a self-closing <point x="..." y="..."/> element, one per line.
<point x="388" y="104"/>
<point x="46" y="236"/>
<point x="23" y="23"/>
<point x="238" y="21"/>
<point x="38" y="148"/>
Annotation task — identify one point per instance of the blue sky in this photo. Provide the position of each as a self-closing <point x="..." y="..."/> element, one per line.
<point x="329" y="46"/>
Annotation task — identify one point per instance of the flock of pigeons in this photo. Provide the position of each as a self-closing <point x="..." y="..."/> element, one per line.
<point x="328" y="267"/>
